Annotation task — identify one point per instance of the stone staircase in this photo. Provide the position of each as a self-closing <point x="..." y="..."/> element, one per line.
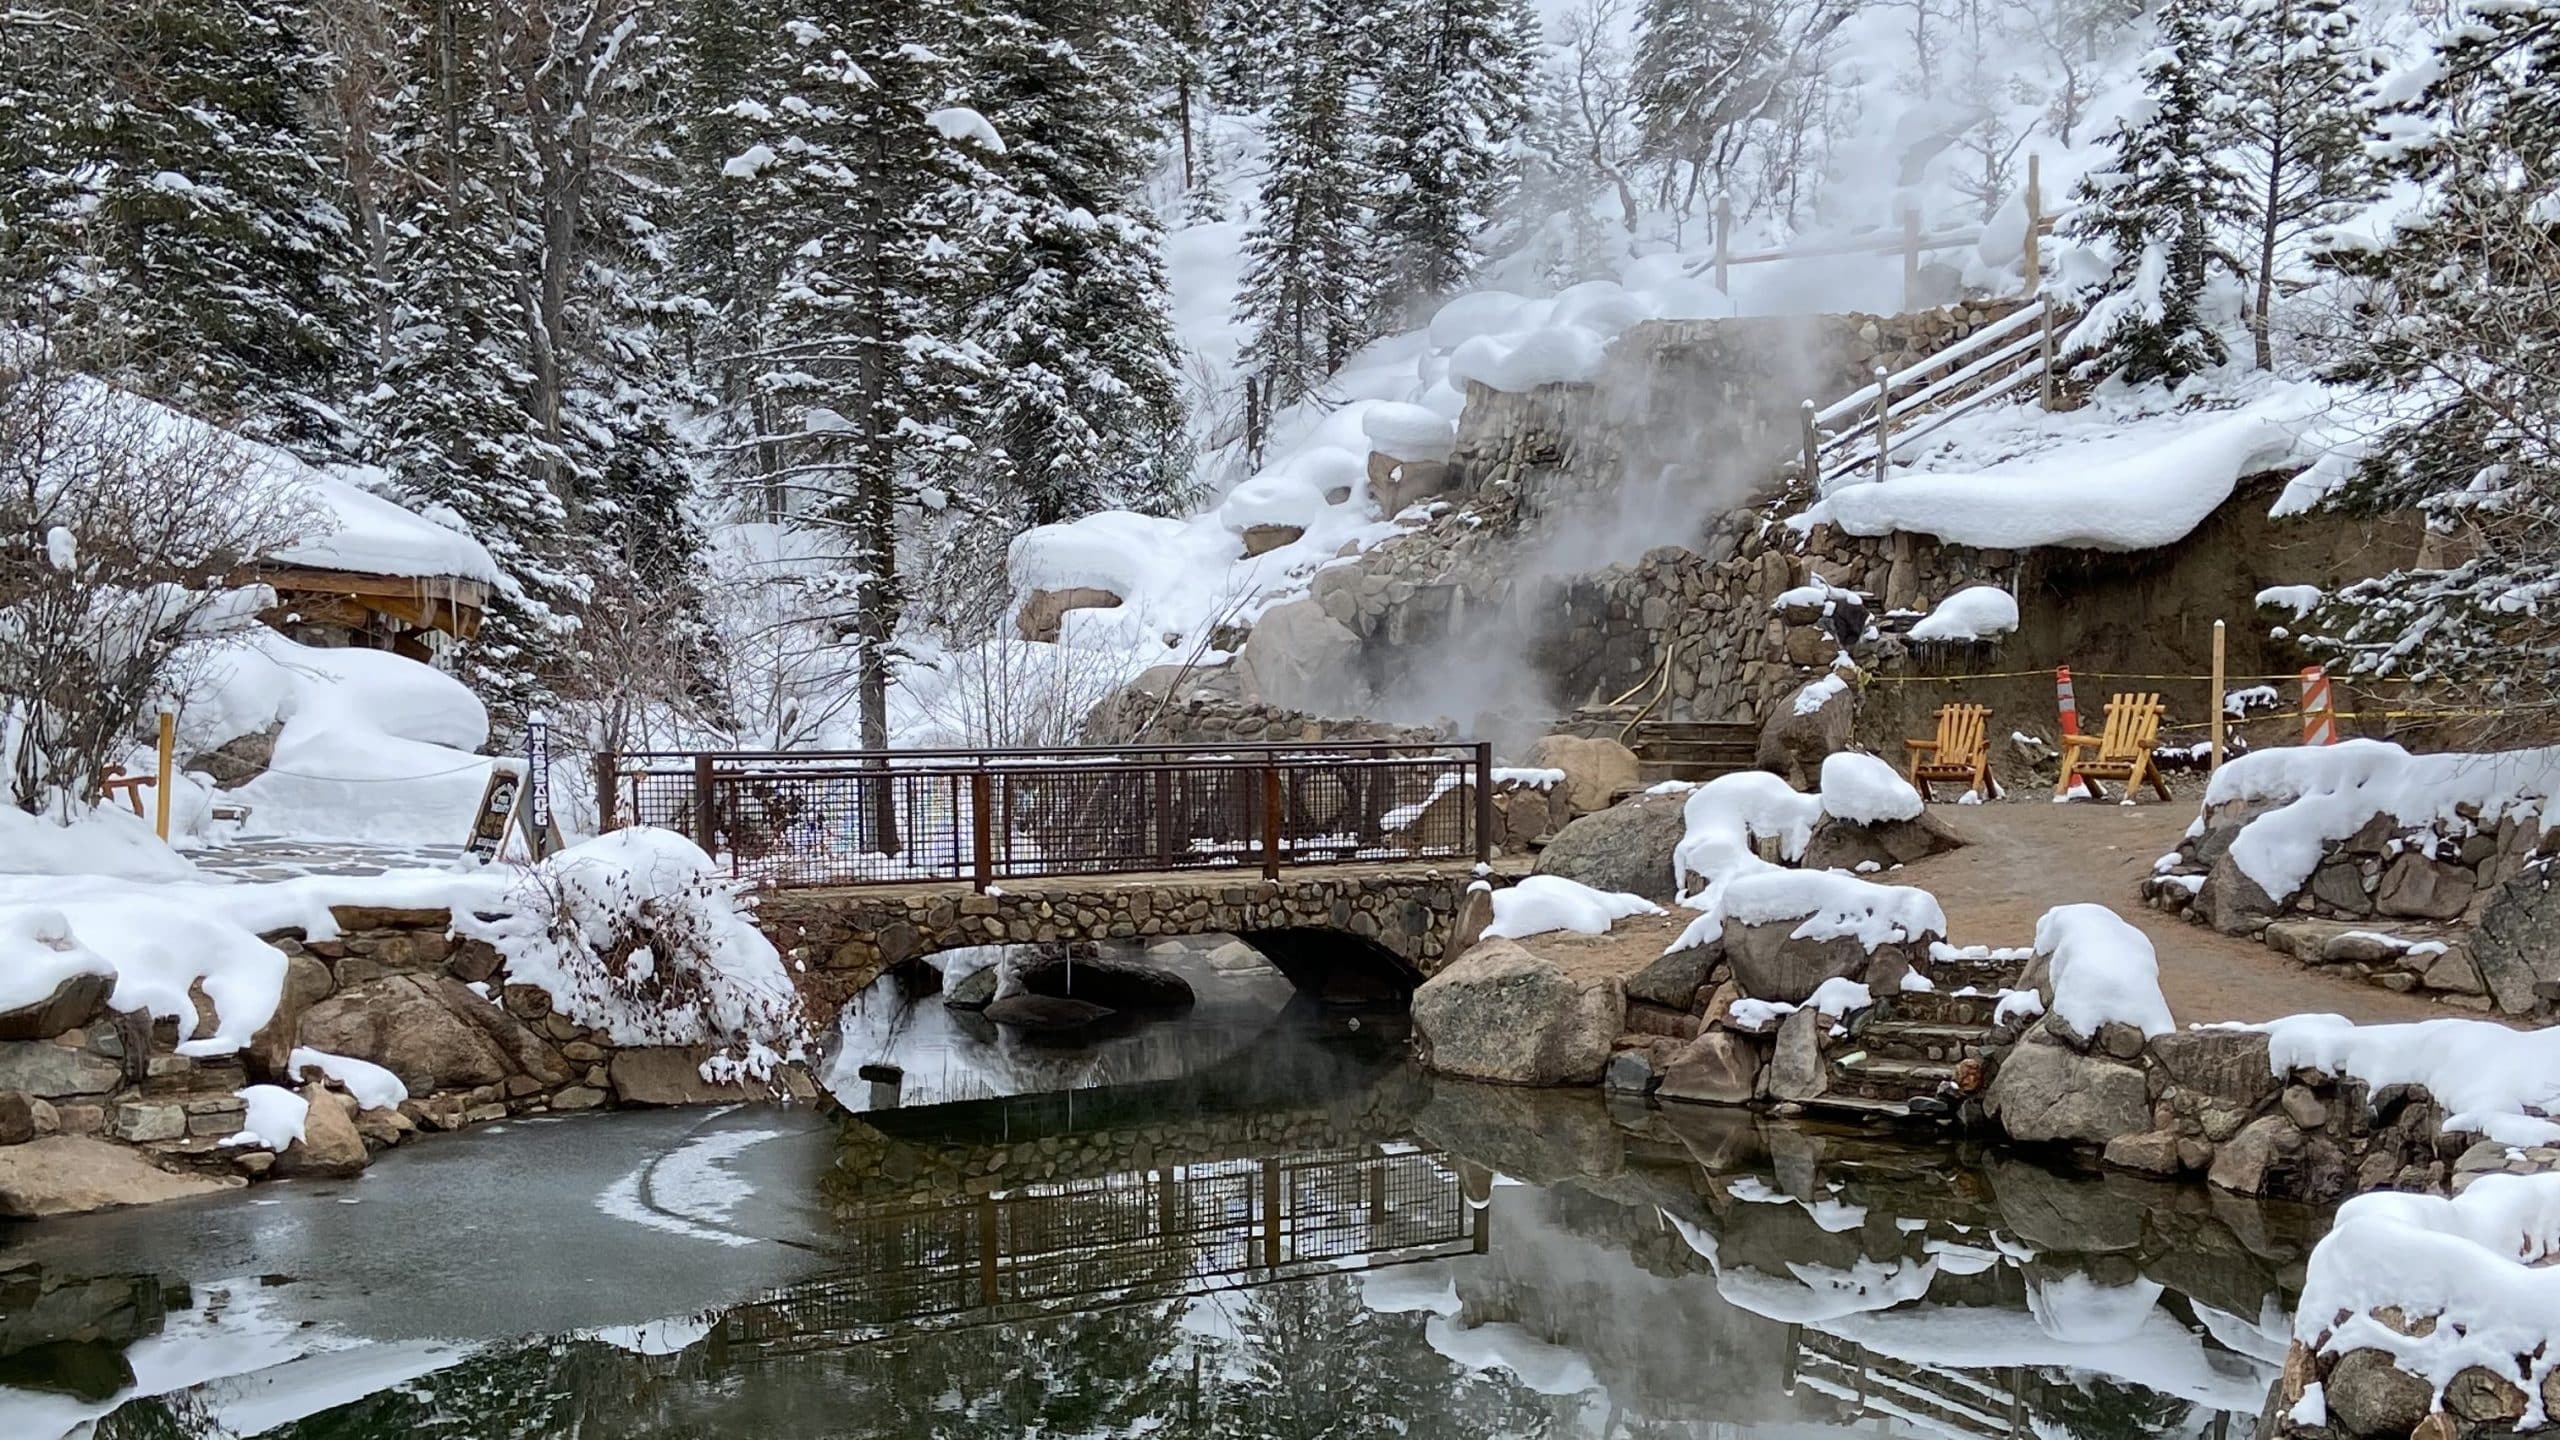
<point x="1918" y="1054"/>
<point x="1692" y="750"/>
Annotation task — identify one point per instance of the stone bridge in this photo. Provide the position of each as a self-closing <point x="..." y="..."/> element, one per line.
<point x="1394" y="923"/>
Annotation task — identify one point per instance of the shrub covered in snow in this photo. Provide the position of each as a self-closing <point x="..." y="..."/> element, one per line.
<point x="633" y="933"/>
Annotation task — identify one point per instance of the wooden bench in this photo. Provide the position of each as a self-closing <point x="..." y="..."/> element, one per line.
<point x="1961" y="751"/>
<point x="2123" y="750"/>
<point x="132" y="786"/>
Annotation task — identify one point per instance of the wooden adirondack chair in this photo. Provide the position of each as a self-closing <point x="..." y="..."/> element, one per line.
<point x="2123" y="751"/>
<point x="1961" y="751"/>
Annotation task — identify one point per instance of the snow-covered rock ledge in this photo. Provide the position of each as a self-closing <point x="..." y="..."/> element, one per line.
<point x="145" y="1062"/>
<point x="2417" y="873"/>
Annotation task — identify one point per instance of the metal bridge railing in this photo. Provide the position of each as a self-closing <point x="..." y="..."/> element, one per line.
<point x="889" y="817"/>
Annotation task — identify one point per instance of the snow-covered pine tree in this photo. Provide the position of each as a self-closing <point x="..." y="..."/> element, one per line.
<point x="1705" y="70"/>
<point x="2153" y="212"/>
<point x="450" y="421"/>
<point x="1084" y="405"/>
<point x="1308" y="272"/>
<point x="1248" y="43"/>
<point x="867" y="177"/>
<point x="159" y="177"/>
<point x="1453" y="97"/>
<point x="2452" y="332"/>
<point x="2293" y="104"/>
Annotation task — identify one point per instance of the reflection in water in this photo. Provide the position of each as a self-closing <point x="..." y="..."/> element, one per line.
<point x="1311" y="1240"/>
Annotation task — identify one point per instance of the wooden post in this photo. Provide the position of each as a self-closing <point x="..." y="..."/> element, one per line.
<point x="2034" y="261"/>
<point x="982" y="828"/>
<point x="1270" y="821"/>
<point x="2045" y="351"/>
<point x="988" y="1239"/>
<point x="608" y="776"/>
<point x="168" y="771"/>
<point x="706" y="832"/>
<point x="1724" y="242"/>
<point x="1484" y="802"/>
<point x="1911" y="259"/>
<point x="1812" y="451"/>
<point x="1884" y="422"/>
<point x="1164" y="815"/>
<point x="2217" y="697"/>
<point x="1271" y="1214"/>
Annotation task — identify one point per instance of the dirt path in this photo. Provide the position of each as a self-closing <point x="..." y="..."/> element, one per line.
<point x="2027" y="856"/>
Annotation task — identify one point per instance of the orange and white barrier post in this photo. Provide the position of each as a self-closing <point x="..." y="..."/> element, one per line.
<point x="2070" y="704"/>
<point x="2319" y="714"/>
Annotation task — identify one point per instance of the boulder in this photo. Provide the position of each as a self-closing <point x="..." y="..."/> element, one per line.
<point x="55" y="1072"/>
<point x="1300" y="658"/>
<point x="1113" y="983"/>
<point x="1630" y="1071"/>
<point x="1796" y="1068"/>
<point x="2422" y="889"/>
<point x="1717" y="1068"/>
<point x="1502" y="1013"/>
<point x="1475" y="911"/>
<point x="2339" y="885"/>
<point x="1673" y="980"/>
<point x="1041" y="613"/>
<point x="330" y="1143"/>
<point x="1522" y="814"/>
<point x="1839" y="844"/>
<point x="18" y="1117"/>
<point x="2226" y="1066"/>
<point x="307" y="982"/>
<point x="2270" y="1156"/>
<point x="976" y="992"/>
<point x="1794" y="743"/>
<point x="1770" y="962"/>
<point x="434" y="1033"/>
<point x="2153" y="1152"/>
<point x="663" y="1075"/>
<point x="75" y="1002"/>
<point x="1045" y="1012"/>
<point x="1624" y="848"/>
<point x="2232" y="903"/>
<point x="2517" y="944"/>
<point x="1263" y="539"/>
<point x="75" y="1174"/>
<point x="1596" y="772"/>
<point x="2369" y="1395"/>
<point x="2048" y="1092"/>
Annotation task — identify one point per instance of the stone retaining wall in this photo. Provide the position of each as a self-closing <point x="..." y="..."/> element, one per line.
<point x="395" y="988"/>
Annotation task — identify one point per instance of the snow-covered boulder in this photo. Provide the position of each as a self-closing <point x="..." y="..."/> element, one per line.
<point x="1981" y="612"/>
<point x="1299" y="658"/>
<point x="1786" y="932"/>
<point x="1809" y="727"/>
<point x="1627" y="847"/>
<point x="1872" y="819"/>
<point x="1543" y="903"/>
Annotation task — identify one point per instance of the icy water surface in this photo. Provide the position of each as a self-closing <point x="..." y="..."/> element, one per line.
<point x="1306" y="1239"/>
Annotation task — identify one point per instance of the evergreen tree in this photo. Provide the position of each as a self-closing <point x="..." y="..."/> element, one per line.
<point x="2293" y="104"/>
<point x="2153" y="210"/>
<point x="1453" y="100"/>
<point x="1308" y="276"/>
<point x="869" y="178"/>
<point x="1249" y="45"/>
<point x="1084" y="405"/>
<point x="1705" y="70"/>
<point x="161" y="189"/>
<point x="2452" y="334"/>
<point x="450" y="420"/>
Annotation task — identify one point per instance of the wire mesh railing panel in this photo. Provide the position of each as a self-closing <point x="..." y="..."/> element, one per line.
<point x="891" y="817"/>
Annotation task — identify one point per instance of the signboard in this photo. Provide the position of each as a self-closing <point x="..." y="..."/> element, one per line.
<point x="537" y="763"/>
<point x="497" y="813"/>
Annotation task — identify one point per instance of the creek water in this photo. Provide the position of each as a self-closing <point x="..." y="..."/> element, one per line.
<point x="1304" y="1236"/>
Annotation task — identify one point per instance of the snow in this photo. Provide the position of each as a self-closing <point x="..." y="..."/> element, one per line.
<point x="577" y="904"/>
<point x="1539" y="1367"/>
<point x="2104" y="971"/>
<point x="960" y="123"/>
<point x="1819" y="693"/>
<point x="373" y="1087"/>
<point x="275" y="1118"/>
<point x="1724" y="816"/>
<point x="1543" y="903"/>
<point x="691" y="1192"/>
<point x="2325" y="793"/>
<point x="1839" y="996"/>
<point x="1426" y="1287"/>
<point x="1864" y="790"/>
<point x="2136" y="485"/>
<point x="374" y="746"/>
<point x="1976" y="613"/>
<point x="2298" y="599"/>
<point x="1831" y="906"/>
<point x="2497" y="1082"/>
<point x="2020" y="1005"/>
<point x="38" y="952"/>
<point x="2473" y="1264"/>
<point x="108" y="840"/>
<point x="1409" y="432"/>
<point x="366" y="534"/>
